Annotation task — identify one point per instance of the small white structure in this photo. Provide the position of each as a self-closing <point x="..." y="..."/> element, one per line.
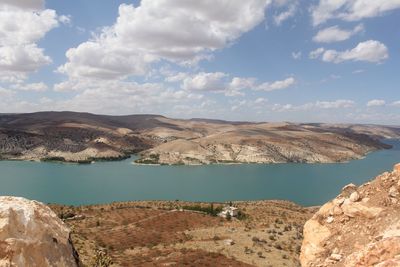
<point x="232" y="211"/>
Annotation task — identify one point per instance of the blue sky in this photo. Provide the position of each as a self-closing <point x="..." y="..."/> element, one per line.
<point x="258" y="60"/>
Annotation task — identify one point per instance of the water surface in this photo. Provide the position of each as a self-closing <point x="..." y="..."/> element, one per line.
<point x="103" y="182"/>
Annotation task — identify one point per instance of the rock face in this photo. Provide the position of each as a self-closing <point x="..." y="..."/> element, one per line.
<point x="360" y="227"/>
<point x="31" y="234"/>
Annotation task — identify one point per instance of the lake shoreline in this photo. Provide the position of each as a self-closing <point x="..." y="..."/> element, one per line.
<point x="106" y="182"/>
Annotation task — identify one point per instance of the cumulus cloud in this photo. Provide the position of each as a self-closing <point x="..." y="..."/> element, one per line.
<point x="124" y="97"/>
<point x="24" y="4"/>
<point x="148" y="33"/>
<point x="22" y="58"/>
<point x="336" y="104"/>
<point x="219" y="82"/>
<point x="376" y="103"/>
<point x="205" y="82"/>
<point x="277" y="85"/>
<point x="368" y="51"/>
<point x="351" y="10"/>
<point x="36" y="87"/>
<point x="22" y="25"/>
<point x="336" y="34"/>
<point x="341" y="103"/>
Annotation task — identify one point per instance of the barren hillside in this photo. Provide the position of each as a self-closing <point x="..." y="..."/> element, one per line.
<point x="84" y="137"/>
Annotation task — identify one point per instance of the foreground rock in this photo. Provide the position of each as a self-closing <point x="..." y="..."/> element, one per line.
<point x="32" y="235"/>
<point x="360" y="227"/>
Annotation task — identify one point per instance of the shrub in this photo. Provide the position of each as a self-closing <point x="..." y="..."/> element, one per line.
<point x="209" y="210"/>
<point x="101" y="259"/>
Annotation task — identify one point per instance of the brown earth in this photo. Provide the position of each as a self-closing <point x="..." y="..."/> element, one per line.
<point x="159" y="233"/>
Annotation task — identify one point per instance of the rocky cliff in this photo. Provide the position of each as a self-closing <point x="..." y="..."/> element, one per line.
<point x="360" y="227"/>
<point x="31" y="234"/>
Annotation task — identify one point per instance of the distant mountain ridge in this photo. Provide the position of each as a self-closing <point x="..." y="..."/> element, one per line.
<point x="84" y="137"/>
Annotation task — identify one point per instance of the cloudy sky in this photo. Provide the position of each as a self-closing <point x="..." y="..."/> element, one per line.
<point x="258" y="60"/>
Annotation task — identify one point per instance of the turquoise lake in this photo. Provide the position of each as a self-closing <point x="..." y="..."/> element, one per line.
<point x="103" y="182"/>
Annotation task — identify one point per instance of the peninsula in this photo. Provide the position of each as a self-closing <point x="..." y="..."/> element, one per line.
<point x="84" y="137"/>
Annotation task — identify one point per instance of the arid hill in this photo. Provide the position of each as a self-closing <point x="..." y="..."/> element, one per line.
<point x="84" y="137"/>
<point x="360" y="227"/>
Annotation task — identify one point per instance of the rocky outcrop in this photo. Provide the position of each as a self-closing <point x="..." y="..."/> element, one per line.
<point x="360" y="227"/>
<point x="31" y="234"/>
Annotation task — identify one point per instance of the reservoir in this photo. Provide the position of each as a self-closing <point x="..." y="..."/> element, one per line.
<point x="104" y="182"/>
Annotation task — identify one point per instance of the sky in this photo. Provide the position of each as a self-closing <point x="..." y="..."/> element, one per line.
<point x="254" y="60"/>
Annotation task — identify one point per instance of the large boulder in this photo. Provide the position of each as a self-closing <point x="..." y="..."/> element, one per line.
<point x="31" y="234"/>
<point x="360" y="227"/>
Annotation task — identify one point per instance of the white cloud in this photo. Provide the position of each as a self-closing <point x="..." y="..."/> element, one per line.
<point x="341" y="103"/>
<point x="277" y="85"/>
<point x="285" y="15"/>
<point x="335" y="34"/>
<point x="376" y="103"/>
<point x="296" y="55"/>
<point x="65" y="19"/>
<point x="23" y="4"/>
<point x="282" y="107"/>
<point x="351" y="10"/>
<point x="358" y="71"/>
<point x="4" y="93"/>
<point x="395" y="103"/>
<point x="36" y="87"/>
<point x="176" y="77"/>
<point x="148" y="33"/>
<point x="22" y="58"/>
<point x="123" y="97"/>
<point x="22" y="25"/>
<point x="219" y="82"/>
<point x="316" y="53"/>
<point x="238" y="104"/>
<point x="205" y="82"/>
<point x="368" y="51"/>
<point x="336" y="104"/>
<point x="260" y="100"/>
<point x="239" y="83"/>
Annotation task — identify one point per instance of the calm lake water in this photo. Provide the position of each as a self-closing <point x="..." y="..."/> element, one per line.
<point x="102" y="182"/>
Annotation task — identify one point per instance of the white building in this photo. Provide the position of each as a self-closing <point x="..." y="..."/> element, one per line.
<point x="232" y="211"/>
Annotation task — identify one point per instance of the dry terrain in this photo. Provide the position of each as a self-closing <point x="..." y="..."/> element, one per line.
<point x="360" y="227"/>
<point x="84" y="137"/>
<point x="269" y="233"/>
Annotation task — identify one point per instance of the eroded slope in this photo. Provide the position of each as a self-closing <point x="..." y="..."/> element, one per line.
<point x="360" y="227"/>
